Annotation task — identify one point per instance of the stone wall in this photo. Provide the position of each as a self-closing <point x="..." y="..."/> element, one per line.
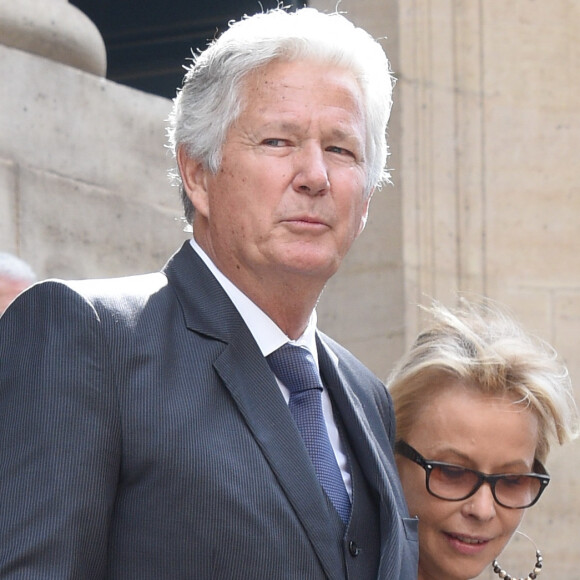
<point x="84" y="190"/>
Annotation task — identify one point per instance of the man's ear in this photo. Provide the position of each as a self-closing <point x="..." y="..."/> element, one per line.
<point x="365" y="214"/>
<point x="194" y="180"/>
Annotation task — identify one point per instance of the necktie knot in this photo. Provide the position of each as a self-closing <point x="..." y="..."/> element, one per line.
<point x="295" y="367"/>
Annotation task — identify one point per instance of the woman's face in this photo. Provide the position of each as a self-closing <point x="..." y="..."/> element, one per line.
<point x="458" y="539"/>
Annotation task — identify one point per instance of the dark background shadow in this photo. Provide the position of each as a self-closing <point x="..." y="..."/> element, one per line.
<point x="149" y="41"/>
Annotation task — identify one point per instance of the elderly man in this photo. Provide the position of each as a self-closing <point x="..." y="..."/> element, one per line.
<point x="195" y="423"/>
<point x="15" y="276"/>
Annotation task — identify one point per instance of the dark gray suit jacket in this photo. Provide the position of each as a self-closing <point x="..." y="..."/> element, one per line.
<point x="143" y="436"/>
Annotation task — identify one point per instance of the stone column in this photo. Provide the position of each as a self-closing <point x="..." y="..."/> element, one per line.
<point x="53" y="29"/>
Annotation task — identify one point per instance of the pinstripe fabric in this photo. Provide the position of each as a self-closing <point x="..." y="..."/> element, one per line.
<point x="142" y="436"/>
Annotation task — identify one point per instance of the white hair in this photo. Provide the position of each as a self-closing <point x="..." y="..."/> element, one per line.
<point x="210" y="99"/>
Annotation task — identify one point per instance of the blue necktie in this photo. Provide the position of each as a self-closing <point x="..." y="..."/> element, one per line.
<point x="295" y="367"/>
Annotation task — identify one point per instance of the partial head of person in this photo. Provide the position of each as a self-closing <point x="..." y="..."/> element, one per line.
<point x="15" y="277"/>
<point x="279" y="132"/>
<point x="478" y="403"/>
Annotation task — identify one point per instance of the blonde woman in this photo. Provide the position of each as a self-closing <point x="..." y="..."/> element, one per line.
<point x="477" y="403"/>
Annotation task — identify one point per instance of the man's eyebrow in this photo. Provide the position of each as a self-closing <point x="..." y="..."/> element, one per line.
<point x="278" y="125"/>
<point x="338" y="133"/>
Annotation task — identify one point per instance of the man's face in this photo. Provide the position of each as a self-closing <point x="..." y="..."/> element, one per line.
<point x="288" y="199"/>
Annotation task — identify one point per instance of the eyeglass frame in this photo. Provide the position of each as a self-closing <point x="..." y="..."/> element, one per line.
<point x="405" y="450"/>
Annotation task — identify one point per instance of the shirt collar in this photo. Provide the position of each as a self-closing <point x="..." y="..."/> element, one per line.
<point x="265" y="331"/>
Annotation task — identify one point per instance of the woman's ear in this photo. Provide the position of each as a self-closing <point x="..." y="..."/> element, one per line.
<point x="194" y="179"/>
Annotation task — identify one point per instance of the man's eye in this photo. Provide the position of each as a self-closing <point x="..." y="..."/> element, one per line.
<point x="274" y="142"/>
<point x="339" y="150"/>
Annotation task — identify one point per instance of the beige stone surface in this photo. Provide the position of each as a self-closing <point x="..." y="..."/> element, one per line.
<point x="93" y="231"/>
<point x="8" y="208"/>
<point x="55" y="30"/>
<point x="115" y="135"/>
<point x="83" y="172"/>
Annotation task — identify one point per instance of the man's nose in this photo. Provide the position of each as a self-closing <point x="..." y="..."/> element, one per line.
<point x="311" y="172"/>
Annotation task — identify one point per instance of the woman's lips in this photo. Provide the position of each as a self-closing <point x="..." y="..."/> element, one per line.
<point x="467" y="544"/>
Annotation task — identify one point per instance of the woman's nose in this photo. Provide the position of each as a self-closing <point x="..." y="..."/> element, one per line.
<point x="311" y="172"/>
<point x="481" y="504"/>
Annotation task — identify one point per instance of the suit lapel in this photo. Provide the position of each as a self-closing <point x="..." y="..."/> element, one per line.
<point x="361" y="433"/>
<point x="253" y="387"/>
<point x="247" y="376"/>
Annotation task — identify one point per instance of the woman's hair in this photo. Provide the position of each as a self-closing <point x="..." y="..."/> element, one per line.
<point x="486" y="350"/>
<point x="210" y="99"/>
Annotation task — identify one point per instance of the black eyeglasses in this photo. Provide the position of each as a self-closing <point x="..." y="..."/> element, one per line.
<point x="456" y="483"/>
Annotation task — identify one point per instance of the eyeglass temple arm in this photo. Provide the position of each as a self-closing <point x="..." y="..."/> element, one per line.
<point x="539" y="469"/>
<point x="407" y="451"/>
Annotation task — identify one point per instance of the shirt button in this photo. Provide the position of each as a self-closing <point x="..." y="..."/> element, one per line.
<point x="353" y="549"/>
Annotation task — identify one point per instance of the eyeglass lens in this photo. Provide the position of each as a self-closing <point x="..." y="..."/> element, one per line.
<point x="455" y="483"/>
